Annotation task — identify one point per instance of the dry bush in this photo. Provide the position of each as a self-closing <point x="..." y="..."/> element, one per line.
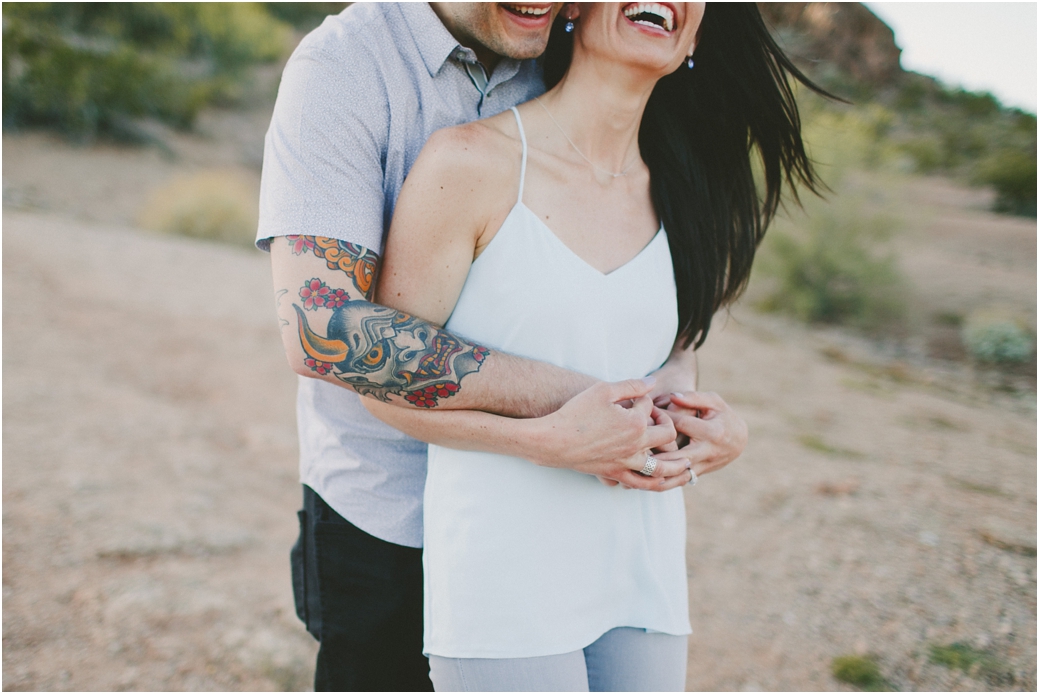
<point x="217" y="205"/>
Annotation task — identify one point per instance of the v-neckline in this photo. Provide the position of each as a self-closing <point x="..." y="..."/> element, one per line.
<point x="606" y="275"/>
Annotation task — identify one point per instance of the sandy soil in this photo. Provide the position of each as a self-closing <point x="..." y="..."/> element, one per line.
<point x="886" y="502"/>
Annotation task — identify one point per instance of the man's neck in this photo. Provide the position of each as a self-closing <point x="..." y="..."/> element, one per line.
<point x="488" y="58"/>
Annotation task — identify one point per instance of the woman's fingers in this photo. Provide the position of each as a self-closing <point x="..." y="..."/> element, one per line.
<point x="668" y="468"/>
<point x="662" y="401"/>
<point x="679" y="480"/>
<point x="692" y="426"/>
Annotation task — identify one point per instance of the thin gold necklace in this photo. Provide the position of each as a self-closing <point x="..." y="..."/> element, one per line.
<point x="578" y="150"/>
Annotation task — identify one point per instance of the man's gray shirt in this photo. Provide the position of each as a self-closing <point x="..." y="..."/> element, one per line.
<point x="358" y="99"/>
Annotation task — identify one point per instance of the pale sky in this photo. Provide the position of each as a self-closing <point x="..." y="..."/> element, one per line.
<point x="981" y="46"/>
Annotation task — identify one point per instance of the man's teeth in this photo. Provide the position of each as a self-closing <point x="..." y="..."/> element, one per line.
<point x="532" y="11"/>
<point x="667" y="17"/>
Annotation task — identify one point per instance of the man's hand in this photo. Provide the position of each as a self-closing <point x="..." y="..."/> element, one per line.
<point x="609" y="430"/>
<point x="711" y="434"/>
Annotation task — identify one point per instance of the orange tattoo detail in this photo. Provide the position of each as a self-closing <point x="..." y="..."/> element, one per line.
<point x="354" y="260"/>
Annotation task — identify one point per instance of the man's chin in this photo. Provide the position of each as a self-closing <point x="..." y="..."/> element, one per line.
<point x="537" y="18"/>
<point x="522" y="36"/>
<point x="521" y="48"/>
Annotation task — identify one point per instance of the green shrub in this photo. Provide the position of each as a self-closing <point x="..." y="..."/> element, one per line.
<point x="1013" y="175"/>
<point x="934" y="129"/>
<point x="859" y="671"/>
<point x="834" y="271"/>
<point x="973" y="104"/>
<point x="978" y="663"/>
<point x="993" y="337"/>
<point x="87" y="68"/>
<point x="304" y="15"/>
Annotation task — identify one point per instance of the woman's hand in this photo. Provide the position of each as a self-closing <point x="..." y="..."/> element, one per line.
<point x="711" y="434"/>
<point x="608" y="431"/>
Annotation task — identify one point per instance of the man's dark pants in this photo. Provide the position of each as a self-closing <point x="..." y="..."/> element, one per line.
<point x="361" y="597"/>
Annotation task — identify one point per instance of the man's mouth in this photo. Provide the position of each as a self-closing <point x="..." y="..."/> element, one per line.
<point x="651" y="14"/>
<point x="529" y="11"/>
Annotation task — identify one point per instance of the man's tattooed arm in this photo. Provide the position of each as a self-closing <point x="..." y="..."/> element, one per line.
<point x="440" y="388"/>
<point x="329" y="322"/>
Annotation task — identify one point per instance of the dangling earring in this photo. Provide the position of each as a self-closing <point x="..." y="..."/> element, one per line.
<point x="569" y="26"/>
<point x="689" y="62"/>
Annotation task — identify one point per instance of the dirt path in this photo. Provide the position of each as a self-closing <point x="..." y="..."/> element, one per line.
<point x="150" y="475"/>
<point x="856" y="522"/>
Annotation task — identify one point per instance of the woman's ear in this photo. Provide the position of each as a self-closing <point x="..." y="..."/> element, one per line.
<point x="571" y="10"/>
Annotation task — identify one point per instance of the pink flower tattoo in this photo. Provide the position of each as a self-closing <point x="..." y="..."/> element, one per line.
<point x="336" y="298"/>
<point x="321" y="367"/>
<point x="301" y="244"/>
<point x="314" y="294"/>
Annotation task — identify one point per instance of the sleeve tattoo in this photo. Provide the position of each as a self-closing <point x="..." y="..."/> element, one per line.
<point x="377" y="351"/>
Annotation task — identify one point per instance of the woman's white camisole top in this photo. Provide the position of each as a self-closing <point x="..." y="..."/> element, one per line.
<point x="522" y="560"/>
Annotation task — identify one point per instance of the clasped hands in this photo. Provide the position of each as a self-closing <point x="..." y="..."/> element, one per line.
<point x="609" y="430"/>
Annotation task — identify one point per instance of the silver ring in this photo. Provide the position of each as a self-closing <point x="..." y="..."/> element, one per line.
<point x="650" y="467"/>
<point x="692" y="478"/>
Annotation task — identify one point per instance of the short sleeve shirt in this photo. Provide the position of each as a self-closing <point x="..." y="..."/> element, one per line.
<point x="358" y="99"/>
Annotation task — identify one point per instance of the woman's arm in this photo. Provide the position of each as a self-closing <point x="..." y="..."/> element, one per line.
<point x="457" y="194"/>
<point x="613" y="447"/>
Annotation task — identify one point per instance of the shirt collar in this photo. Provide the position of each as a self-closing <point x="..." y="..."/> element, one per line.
<point x="435" y="43"/>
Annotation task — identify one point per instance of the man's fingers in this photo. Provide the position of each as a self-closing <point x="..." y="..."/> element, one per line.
<point x="658" y="435"/>
<point x="667" y="447"/>
<point x="695" y="400"/>
<point x="659" y="415"/>
<point x="644" y="408"/>
<point x="631" y="389"/>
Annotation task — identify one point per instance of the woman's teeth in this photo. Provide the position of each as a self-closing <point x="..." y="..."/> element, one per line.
<point x="651" y="14"/>
<point x="529" y="11"/>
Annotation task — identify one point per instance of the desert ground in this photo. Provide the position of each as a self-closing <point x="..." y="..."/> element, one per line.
<point x="886" y="503"/>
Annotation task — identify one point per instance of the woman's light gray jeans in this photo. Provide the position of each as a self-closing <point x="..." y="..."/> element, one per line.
<point x="621" y="660"/>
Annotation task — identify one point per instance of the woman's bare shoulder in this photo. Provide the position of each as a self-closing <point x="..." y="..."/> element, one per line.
<point x="464" y="181"/>
<point x="482" y="153"/>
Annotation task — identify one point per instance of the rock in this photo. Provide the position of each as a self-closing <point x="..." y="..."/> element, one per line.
<point x="1005" y="536"/>
<point x="845" y="34"/>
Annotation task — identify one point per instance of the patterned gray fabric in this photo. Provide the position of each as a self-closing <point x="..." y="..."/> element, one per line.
<point x="358" y="99"/>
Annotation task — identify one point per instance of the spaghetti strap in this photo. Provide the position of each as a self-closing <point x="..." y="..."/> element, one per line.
<point x="523" y="162"/>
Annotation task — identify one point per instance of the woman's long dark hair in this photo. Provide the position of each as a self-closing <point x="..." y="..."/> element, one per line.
<point x="697" y="136"/>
